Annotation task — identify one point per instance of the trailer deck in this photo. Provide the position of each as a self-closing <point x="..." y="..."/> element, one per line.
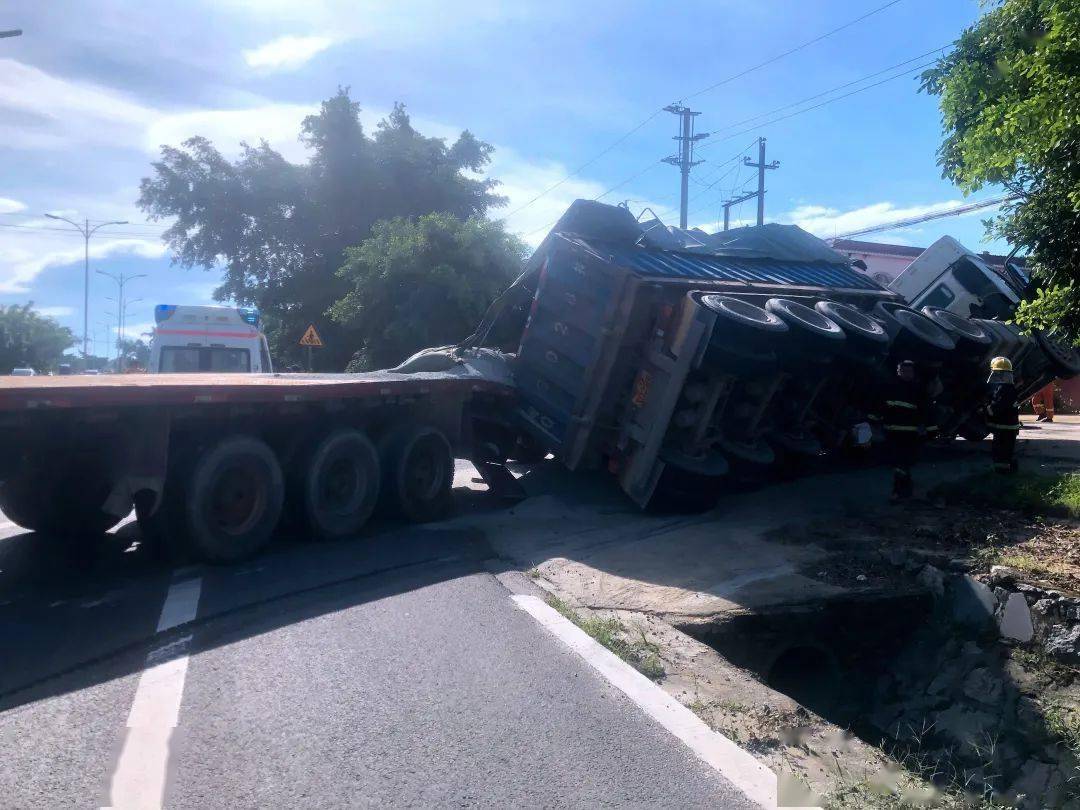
<point x="119" y="390"/>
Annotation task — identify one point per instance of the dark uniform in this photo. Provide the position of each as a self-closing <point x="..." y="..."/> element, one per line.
<point x="1003" y="419"/>
<point x="904" y="413"/>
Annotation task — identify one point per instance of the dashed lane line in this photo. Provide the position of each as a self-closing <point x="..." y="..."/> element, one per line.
<point x="138" y="783"/>
<point x="755" y="780"/>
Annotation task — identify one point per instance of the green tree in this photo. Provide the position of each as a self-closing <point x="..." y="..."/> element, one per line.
<point x="1010" y="102"/>
<point x="135" y="353"/>
<point x="31" y="340"/>
<point x="281" y="229"/>
<point x="423" y="282"/>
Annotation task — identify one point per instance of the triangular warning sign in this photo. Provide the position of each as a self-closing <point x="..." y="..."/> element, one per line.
<point x="311" y="338"/>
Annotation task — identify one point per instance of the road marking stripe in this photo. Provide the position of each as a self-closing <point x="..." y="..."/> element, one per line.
<point x="181" y="604"/>
<point x="138" y="783"/>
<point x="749" y="775"/>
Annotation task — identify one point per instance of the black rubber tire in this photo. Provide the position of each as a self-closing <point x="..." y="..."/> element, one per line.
<point x="757" y="453"/>
<point x="1064" y="360"/>
<point x="338" y="486"/>
<point x="963" y="330"/>
<point x="742" y="313"/>
<point x="904" y="324"/>
<point x="232" y="500"/>
<point x="856" y="324"/>
<point x="803" y="318"/>
<point x="63" y="499"/>
<point x="418" y="473"/>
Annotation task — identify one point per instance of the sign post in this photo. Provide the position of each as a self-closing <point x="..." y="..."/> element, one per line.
<point x="312" y="340"/>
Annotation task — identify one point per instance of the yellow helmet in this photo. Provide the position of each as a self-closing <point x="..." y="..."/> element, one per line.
<point x="1001" y="364"/>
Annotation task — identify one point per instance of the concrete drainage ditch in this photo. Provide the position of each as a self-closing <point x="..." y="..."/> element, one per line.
<point x="928" y="679"/>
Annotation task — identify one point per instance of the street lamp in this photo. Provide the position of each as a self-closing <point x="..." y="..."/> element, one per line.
<point x="121" y="307"/>
<point x="86" y="232"/>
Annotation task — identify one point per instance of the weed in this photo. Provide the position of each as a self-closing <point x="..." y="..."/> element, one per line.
<point x="1064" y="724"/>
<point x="534" y="573"/>
<point x="1031" y="493"/>
<point x="642" y="654"/>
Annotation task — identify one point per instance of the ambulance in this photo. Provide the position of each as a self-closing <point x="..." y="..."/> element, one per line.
<point x="194" y="339"/>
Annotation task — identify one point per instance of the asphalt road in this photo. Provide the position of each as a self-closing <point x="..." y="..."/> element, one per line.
<point x="393" y="670"/>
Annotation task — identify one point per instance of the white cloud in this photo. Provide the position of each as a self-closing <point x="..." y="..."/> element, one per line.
<point x="278" y="124"/>
<point x="9" y="206"/>
<point x="287" y="52"/>
<point x="827" y="222"/>
<point x="26" y="253"/>
<point x="54" y="312"/>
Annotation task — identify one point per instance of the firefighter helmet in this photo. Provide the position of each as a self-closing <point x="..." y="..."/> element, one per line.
<point x="1001" y="364"/>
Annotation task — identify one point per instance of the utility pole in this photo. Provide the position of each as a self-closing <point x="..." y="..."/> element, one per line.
<point x="685" y="159"/>
<point x="736" y="201"/>
<point x="14" y="32"/>
<point x="761" y="166"/>
<point x="120" y="280"/>
<point x="86" y="232"/>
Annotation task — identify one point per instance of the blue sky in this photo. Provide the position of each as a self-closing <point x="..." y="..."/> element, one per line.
<point x="87" y="98"/>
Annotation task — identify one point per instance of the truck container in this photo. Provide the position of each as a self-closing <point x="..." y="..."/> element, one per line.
<point x="670" y="356"/>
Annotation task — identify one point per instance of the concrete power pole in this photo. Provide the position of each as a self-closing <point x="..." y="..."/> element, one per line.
<point x="685" y="159"/>
<point x="761" y="166"/>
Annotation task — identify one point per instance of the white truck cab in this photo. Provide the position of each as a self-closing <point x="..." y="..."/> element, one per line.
<point x="193" y="339"/>
<point x="949" y="276"/>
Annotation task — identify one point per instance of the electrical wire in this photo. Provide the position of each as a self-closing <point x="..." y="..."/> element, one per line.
<point x="796" y="49"/>
<point x="626" y="135"/>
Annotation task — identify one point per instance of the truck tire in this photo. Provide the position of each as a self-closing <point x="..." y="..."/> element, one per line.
<point x="808" y="321"/>
<point x="233" y="500"/>
<point x="418" y="473"/>
<point x="339" y="484"/>
<point x="739" y="313"/>
<point x="857" y="325"/>
<point x="1064" y="359"/>
<point x="63" y="500"/>
<point x="967" y="333"/>
<point x="912" y="332"/>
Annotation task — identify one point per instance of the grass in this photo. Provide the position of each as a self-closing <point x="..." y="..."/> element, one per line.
<point x="1031" y="493"/>
<point x="641" y="654"/>
<point x="1064" y="725"/>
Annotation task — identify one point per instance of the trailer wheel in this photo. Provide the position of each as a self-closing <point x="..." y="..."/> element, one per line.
<point x="64" y="500"/>
<point x="233" y="500"/>
<point x="418" y="473"/>
<point x="804" y="318"/>
<point x="339" y="485"/>
<point x="1064" y="359"/>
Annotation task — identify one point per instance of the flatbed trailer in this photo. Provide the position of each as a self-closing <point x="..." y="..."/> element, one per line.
<point x="213" y="463"/>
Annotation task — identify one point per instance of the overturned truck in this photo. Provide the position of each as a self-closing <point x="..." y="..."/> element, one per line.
<point x="674" y="358"/>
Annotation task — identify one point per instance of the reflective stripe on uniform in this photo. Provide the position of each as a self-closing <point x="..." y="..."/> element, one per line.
<point x="906" y="428"/>
<point x="899" y="403"/>
<point x="998" y="426"/>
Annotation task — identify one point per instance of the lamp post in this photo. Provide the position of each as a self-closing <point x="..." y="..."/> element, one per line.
<point x="86" y="232"/>
<point x="120" y="280"/>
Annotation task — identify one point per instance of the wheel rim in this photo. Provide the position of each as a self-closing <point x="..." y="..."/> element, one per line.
<point x="425" y="470"/>
<point x="238" y="498"/>
<point x="341" y="486"/>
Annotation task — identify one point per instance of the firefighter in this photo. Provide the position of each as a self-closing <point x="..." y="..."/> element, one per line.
<point x="1043" y="403"/>
<point x="904" y="414"/>
<point x="1002" y="414"/>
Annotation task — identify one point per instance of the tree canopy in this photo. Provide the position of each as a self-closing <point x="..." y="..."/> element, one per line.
<point x="30" y="340"/>
<point x="1010" y="102"/>
<point x="281" y="229"/>
<point x="423" y="282"/>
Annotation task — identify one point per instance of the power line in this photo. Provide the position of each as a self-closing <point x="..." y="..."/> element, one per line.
<point x="797" y="48"/>
<point x="816" y="106"/>
<point x="951" y="212"/>
<point x="831" y="90"/>
<point x="637" y="127"/>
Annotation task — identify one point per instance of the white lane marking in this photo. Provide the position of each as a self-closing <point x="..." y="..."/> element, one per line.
<point x="181" y="604"/>
<point x="749" y="775"/>
<point x="138" y="783"/>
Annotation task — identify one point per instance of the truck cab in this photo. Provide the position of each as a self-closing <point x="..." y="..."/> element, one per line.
<point x="193" y="339"/>
<point x="949" y="276"/>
